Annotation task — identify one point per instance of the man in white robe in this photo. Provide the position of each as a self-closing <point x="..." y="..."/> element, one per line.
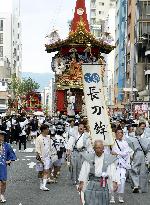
<point x="97" y="171"/>
<point x="71" y="129"/>
<point x="45" y="154"/>
<point x="76" y="146"/>
<point x="122" y="151"/>
<point x="140" y="161"/>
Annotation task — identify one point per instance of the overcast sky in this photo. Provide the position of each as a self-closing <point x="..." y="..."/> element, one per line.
<point x="39" y="17"/>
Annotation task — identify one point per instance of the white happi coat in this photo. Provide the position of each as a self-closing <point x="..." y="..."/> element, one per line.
<point x="44" y="147"/>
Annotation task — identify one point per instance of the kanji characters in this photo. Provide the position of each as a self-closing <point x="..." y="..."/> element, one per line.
<point x="100" y="128"/>
<point x="93" y="93"/>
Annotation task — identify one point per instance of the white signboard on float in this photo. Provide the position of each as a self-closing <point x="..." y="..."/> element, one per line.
<point x="97" y="114"/>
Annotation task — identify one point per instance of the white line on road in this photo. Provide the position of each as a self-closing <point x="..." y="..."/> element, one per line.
<point x="29" y="149"/>
<point x="30" y="156"/>
<point x="31" y="165"/>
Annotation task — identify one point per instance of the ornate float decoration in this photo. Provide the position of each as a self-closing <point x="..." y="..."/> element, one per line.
<point x="80" y="47"/>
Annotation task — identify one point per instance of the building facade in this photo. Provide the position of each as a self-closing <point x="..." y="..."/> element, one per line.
<point x="102" y="22"/>
<point x="10" y="45"/>
<point x="99" y="10"/>
<point x="120" y="52"/>
<point x="132" y="58"/>
<point x="10" y="39"/>
<point x="48" y="97"/>
<point x="142" y="48"/>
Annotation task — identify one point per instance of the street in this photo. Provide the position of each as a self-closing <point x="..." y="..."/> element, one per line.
<point x="23" y="186"/>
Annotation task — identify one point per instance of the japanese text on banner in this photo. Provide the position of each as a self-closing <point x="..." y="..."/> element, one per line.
<point x="95" y="104"/>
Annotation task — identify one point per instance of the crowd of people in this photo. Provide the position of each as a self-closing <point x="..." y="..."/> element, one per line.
<point x="100" y="171"/>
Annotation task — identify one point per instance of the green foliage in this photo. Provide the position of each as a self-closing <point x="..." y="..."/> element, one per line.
<point x="20" y="87"/>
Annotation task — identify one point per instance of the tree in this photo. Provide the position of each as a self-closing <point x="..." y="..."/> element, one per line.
<point x="29" y="85"/>
<point x="22" y="87"/>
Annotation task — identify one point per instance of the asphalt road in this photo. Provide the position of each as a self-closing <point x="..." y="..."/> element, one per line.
<point x="23" y="186"/>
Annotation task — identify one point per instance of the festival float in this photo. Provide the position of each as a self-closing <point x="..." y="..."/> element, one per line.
<point x="80" y="47"/>
<point x="31" y="102"/>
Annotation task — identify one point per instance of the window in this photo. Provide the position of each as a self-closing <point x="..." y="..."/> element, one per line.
<point x="1" y="38"/>
<point x="100" y="12"/>
<point x="1" y="25"/>
<point x="144" y="27"/>
<point x="1" y="51"/>
<point x="17" y="58"/>
<point x="18" y="25"/>
<point x="144" y="10"/>
<point x="18" y="36"/>
<point x="14" y="64"/>
<point x="15" y="51"/>
<point x="101" y="3"/>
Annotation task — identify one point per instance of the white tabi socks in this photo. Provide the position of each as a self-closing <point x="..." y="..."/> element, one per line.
<point x="2" y="199"/>
<point x="41" y="184"/>
<point x="44" y="188"/>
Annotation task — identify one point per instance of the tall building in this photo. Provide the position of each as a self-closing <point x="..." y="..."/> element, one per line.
<point x="10" y="46"/>
<point x="142" y="49"/>
<point x="48" y="97"/>
<point x="120" y="52"/>
<point x="102" y="22"/>
<point x="16" y="37"/>
<point x="130" y="47"/>
<point x="98" y="15"/>
<point x="10" y="39"/>
<point x="132" y="50"/>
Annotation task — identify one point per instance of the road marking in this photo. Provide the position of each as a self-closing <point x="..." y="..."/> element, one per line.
<point x="30" y="156"/>
<point x="31" y="165"/>
<point x="23" y="159"/>
<point x="29" y="150"/>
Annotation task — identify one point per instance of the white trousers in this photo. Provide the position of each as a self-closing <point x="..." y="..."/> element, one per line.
<point x="121" y="186"/>
<point x="47" y="163"/>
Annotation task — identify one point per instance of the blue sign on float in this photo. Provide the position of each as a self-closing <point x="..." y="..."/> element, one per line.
<point x="90" y="78"/>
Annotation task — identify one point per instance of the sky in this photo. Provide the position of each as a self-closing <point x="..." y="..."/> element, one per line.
<point x="39" y="17"/>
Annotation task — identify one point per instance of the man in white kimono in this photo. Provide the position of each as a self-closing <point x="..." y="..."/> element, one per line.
<point x="122" y="151"/>
<point x="71" y="129"/>
<point x="98" y="170"/>
<point x="140" y="160"/>
<point x="44" y="154"/>
<point x="76" y="146"/>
